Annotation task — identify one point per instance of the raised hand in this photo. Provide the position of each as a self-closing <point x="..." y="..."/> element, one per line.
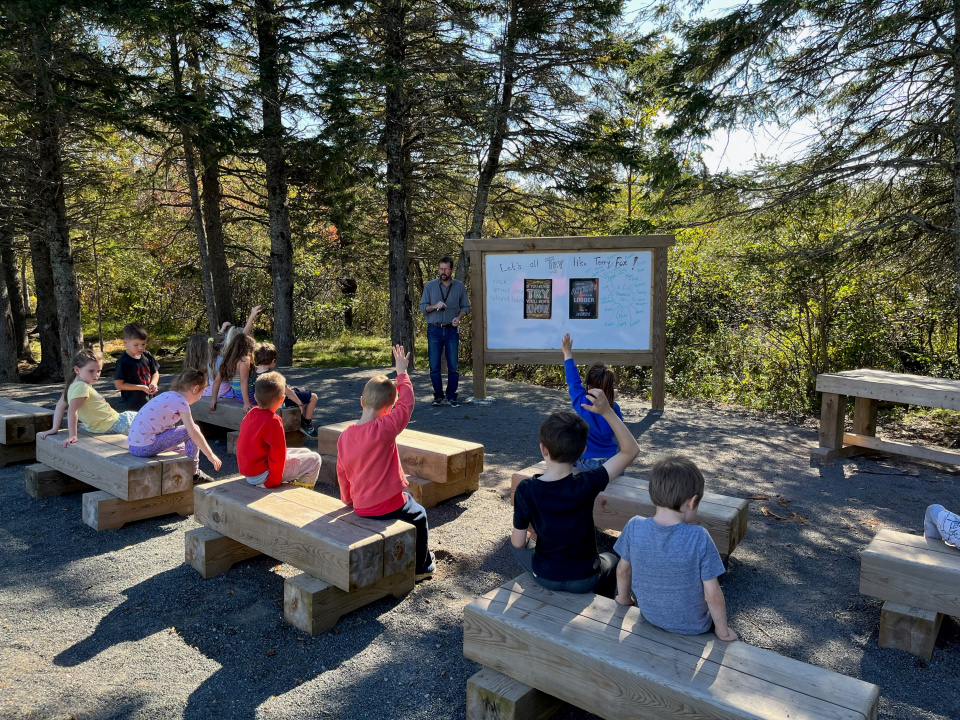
<point x="566" y="344"/>
<point x="400" y="359"/>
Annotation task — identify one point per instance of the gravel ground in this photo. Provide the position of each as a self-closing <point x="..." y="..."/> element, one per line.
<point x="115" y="625"/>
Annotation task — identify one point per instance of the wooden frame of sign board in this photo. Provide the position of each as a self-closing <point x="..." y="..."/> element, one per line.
<point x="653" y="355"/>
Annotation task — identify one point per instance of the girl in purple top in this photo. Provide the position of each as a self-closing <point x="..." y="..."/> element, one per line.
<point x="155" y="429"/>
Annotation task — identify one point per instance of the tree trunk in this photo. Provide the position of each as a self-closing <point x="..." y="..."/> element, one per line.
<point x="50" y="367"/>
<point x="956" y="158"/>
<point x="212" y="196"/>
<point x="274" y="159"/>
<point x="401" y="311"/>
<point x="18" y="314"/>
<point x="189" y="158"/>
<point x="8" y="339"/>
<point x="51" y="201"/>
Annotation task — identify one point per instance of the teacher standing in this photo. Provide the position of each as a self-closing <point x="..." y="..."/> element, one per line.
<point x="444" y="304"/>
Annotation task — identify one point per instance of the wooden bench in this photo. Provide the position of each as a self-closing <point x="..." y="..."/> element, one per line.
<point x="19" y="424"/>
<point x="294" y="439"/>
<point x="229" y="415"/>
<point x="346" y="561"/>
<point x="129" y="488"/>
<point x="725" y="518"/>
<point x="867" y="387"/>
<point x="606" y="659"/>
<point x="918" y="579"/>
<point x="437" y="468"/>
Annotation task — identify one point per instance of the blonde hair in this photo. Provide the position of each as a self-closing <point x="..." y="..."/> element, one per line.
<point x="269" y="387"/>
<point x="379" y="392"/>
<point x="198" y="353"/>
<point x="81" y="359"/>
<point x="188" y="379"/>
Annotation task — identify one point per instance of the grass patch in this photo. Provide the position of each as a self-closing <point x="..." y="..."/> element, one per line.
<point x="352" y="350"/>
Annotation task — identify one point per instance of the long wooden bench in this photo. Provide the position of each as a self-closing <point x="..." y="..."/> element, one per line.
<point x="725" y="518"/>
<point x="19" y="424"/>
<point x="294" y="439"/>
<point x="129" y="488"/>
<point x="437" y="468"/>
<point x="346" y="561"/>
<point x="229" y="415"/>
<point x="868" y="387"/>
<point x="918" y="579"/>
<point x="606" y="659"/>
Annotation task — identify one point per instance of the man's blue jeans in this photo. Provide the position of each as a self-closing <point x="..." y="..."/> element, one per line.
<point x="442" y="340"/>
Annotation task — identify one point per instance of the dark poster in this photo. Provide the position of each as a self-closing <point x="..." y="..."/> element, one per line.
<point x="537" y="299"/>
<point x="583" y="298"/>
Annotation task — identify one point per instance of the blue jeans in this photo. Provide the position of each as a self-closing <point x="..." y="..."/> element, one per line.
<point x="442" y="340"/>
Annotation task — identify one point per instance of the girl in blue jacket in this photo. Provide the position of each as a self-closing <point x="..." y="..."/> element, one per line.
<point x="601" y="443"/>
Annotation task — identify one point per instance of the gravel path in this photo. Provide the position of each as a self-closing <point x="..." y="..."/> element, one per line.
<point x="114" y="624"/>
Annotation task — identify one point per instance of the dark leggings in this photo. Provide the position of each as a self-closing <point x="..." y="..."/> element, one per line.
<point x="413" y="512"/>
<point x="603" y="582"/>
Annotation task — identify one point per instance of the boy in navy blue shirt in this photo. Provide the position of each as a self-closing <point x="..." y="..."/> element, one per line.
<point x="559" y="505"/>
<point x="671" y="566"/>
<point x="138" y="373"/>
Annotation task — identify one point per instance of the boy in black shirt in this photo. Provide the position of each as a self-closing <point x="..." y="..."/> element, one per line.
<point x="137" y="372"/>
<point x="559" y="505"/>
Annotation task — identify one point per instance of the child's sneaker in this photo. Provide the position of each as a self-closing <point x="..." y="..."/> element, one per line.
<point x="201" y="477"/>
<point x="427" y="573"/>
<point x="302" y="483"/>
<point x="307" y="428"/>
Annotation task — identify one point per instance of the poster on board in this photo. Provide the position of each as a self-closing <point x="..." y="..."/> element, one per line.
<point x="603" y="298"/>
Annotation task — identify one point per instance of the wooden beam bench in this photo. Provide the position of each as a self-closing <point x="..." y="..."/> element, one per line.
<point x="606" y="659"/>
<point x="724" y="517"/>
<point x="918" y="579"/>
<point x="19" y="424"/>
<point x="229" y="415"/>
<point x="294" y="439"/>
<point x="129" y="488"/>
<point x="346" y="561"/>
<point x="437" y="468"/>
<point x="868" y="387"/>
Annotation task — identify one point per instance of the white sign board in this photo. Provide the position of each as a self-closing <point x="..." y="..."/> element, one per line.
<point x="601" y="297"/>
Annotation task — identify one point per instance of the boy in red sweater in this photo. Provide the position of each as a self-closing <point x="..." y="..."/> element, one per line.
<point x="262" y="452"/>
<point x="368" y="464"/>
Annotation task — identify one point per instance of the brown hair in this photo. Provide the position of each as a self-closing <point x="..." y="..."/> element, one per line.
<point x="674" y="480"/>
<point x="379" y="392"/>
<point x="198" y="353"/>
<point x="264" y="354"/>
<point x="81" y="359"/>
<point x="602" y="377"/>
<point x="564" y="435"/>
<point x="269" y="387"/>
<point x="188" y="379"/>
<point x="132" y="331"/>
<point x="239" y="349"/>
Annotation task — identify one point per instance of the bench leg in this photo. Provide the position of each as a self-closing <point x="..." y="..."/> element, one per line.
<point x="832" y="414"/>
<point x="909" y="628"/>
<point x="41" y="481"/>
<point x="314" y="606"/>
<point x="494" y="696"/>
<point x="23" y="452"/>
<point x="103" y="511"/>
<point x="428" y="493"/>
<point x="210" y="553"/>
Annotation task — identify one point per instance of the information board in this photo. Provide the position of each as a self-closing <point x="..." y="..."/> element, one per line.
<point x="602" y="298"/>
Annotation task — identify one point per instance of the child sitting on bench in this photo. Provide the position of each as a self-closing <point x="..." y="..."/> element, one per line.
<point x="671" y="566"/>
<point x="940" y="523"/>
<point x="262" y="453"/>
<point x="236" y="370"/>
<point x="368" y="463"/>
<point x="559" y="505"/>
<point x="155" y="428"/>
<point x="265" y="356"/>
<point x="82" y="402"/>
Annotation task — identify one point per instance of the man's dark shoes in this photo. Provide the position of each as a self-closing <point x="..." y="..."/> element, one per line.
<point x="437" y="402"/>
<point x="454" y="403"/>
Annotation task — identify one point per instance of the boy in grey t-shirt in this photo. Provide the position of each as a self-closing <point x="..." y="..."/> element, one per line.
<point x="672" y="567"/>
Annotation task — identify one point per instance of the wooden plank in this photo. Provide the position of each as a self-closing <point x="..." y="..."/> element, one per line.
<point x="494" y="696"/>
<point x="920" y="452"/>
<point x="909" y="628"/>
<point x="41" y="481"/>
<point x="478" y="324"/>
<point x="513" y="356"/>
<point x="211" y="553"/>
<point x="176" y="469"/>
<point x="103" y="511"/>
<point x="586" y="650"/>
<point x="581" y="243"/>
<point x="658" y="328"/>
<point x="269" y="521"/>
<point x="893" y="387"/>
<point x="20" y="422"/>
<point x="22" y="452"/>
<point x="864" y="416"/>
<point x="429" y="493"/>
<point x="474" y="450"/>
<point x="833" y="409"/>
<point x="103" y="465"/>
<point x="294" y="438"/>
<point x="229" y="414"/>
<point x="315" y="606"/>
<point x="912" y="570"/>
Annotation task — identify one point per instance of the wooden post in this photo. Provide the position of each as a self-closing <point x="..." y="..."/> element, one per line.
<point x="494" y="696"/>
<point x="478" y="324"/>
<point x="909" y="628"/>
<point x="833" y="409"/>
<point x="41" y="481"/>
<point x="211" y="553"/>
<point x="659" y="290"/>
<point x="865" y="416"/>
<point x="314" y="606"/>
